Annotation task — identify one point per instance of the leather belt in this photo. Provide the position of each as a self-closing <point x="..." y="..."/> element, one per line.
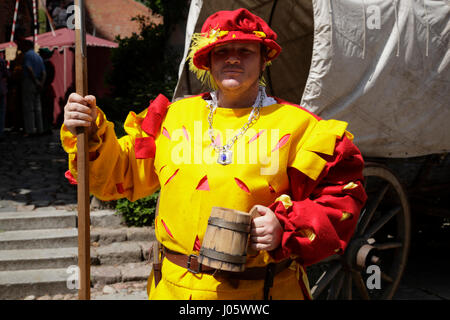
<point x="191" y="263"/>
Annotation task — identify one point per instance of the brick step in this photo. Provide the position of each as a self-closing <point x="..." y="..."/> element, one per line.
<point x="29" y="259"/>
<point x="39" y="239"/>
<point x="34" y="261"/>
<point x="126" y="272"/>
<point x="33" y="220"/>
<point x="111" y="254"/>
<point x="120" y="252"/>
<point x="68" y="237"/>
<point x="103" y="236"/>
<point x="21" y="283"/>
<point x="55" y="219"/>
<point x="120" y="262"/>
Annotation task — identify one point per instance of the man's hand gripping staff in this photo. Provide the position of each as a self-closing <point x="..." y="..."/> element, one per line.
<point x="80" y="112"/>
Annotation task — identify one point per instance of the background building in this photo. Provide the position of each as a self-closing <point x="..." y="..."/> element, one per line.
<point x="104" y="19"/>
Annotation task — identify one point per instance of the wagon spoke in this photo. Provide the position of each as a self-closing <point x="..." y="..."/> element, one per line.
<point x="371" y="207"/>
<point x="382" y="221"/>
<point x="359" y="282"/>
<point x="336" y="286"/>
<point x="334" y="257"/>
<point x="325" y="279"/>
<point x="386" y="278"/>
<point x="388" y="245"/>
<point x="347" y="288"/>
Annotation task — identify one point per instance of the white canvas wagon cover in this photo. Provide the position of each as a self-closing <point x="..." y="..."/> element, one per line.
<point x="380" y="65"/>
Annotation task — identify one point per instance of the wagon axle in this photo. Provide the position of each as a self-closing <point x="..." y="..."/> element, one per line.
<point x="366" y="256"/>
<point x="360" y="254"/>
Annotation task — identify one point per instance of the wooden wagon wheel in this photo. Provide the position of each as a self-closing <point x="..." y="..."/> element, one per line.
<point x="379" y="247"/>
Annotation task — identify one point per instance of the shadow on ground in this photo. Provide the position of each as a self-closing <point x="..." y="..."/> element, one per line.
<point x="427" y="273"/>
<point x="32" y="172"/>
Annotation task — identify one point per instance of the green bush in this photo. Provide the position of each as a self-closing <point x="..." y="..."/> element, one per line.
<point x="141" y="69"/>
<point x="140" y="212"/>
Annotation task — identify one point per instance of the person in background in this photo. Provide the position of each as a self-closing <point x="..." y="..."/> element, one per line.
<point x="59" y="15"/>
<point x="14" y="114"/>
<point x="48" y="93"/>
<point x="33" y="79"/>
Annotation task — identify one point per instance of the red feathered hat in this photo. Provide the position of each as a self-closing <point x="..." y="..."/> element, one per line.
<point x="228" y="26"/>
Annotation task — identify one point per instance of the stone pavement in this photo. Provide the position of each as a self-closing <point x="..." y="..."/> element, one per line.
<point x="133" y="290"/>
<point x="32" y="173"/>
<point x="427" y="275"/>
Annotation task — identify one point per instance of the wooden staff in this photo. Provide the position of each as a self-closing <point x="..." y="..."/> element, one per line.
<point x="84" y="254"/>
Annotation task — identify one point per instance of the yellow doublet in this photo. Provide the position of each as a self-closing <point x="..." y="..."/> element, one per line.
<point x="192" y="182"/>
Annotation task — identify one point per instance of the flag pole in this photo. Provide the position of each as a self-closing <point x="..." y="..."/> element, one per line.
<point x="82" y="158"/>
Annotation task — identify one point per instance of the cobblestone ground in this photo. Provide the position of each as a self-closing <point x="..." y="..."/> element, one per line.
<point x="32" y="173"/>
<point x="133" y="290"/>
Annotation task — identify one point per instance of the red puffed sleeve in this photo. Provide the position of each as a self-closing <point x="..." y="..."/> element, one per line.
<point x="322" y="216"/>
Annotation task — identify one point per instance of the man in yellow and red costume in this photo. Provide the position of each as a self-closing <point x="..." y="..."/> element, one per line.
<point x="234" y="147"/>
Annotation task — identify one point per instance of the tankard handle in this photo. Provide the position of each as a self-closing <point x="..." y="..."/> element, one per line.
<point x="254" y="214"/>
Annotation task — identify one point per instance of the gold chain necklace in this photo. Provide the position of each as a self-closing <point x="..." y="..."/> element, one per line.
<point x="225" y="154"/>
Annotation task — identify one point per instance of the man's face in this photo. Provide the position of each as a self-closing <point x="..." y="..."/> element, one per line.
<point x="236" y="65"/>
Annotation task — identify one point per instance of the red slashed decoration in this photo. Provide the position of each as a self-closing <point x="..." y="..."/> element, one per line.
<point x="119" y="187"/>
<point x="70" y="177"/>
<point x="272" y="190"/>
<point x="176" y="171"/>
<point x="242" y="185"/>
<point x="256" y="136"/>
<point x="197" y="244"/>
<point x="186" y="134"/>
<point x="203" y="184"/>
<point x="167" y="229"/>
<point x="166" y="133"/>
<point x="284" y="139"/>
